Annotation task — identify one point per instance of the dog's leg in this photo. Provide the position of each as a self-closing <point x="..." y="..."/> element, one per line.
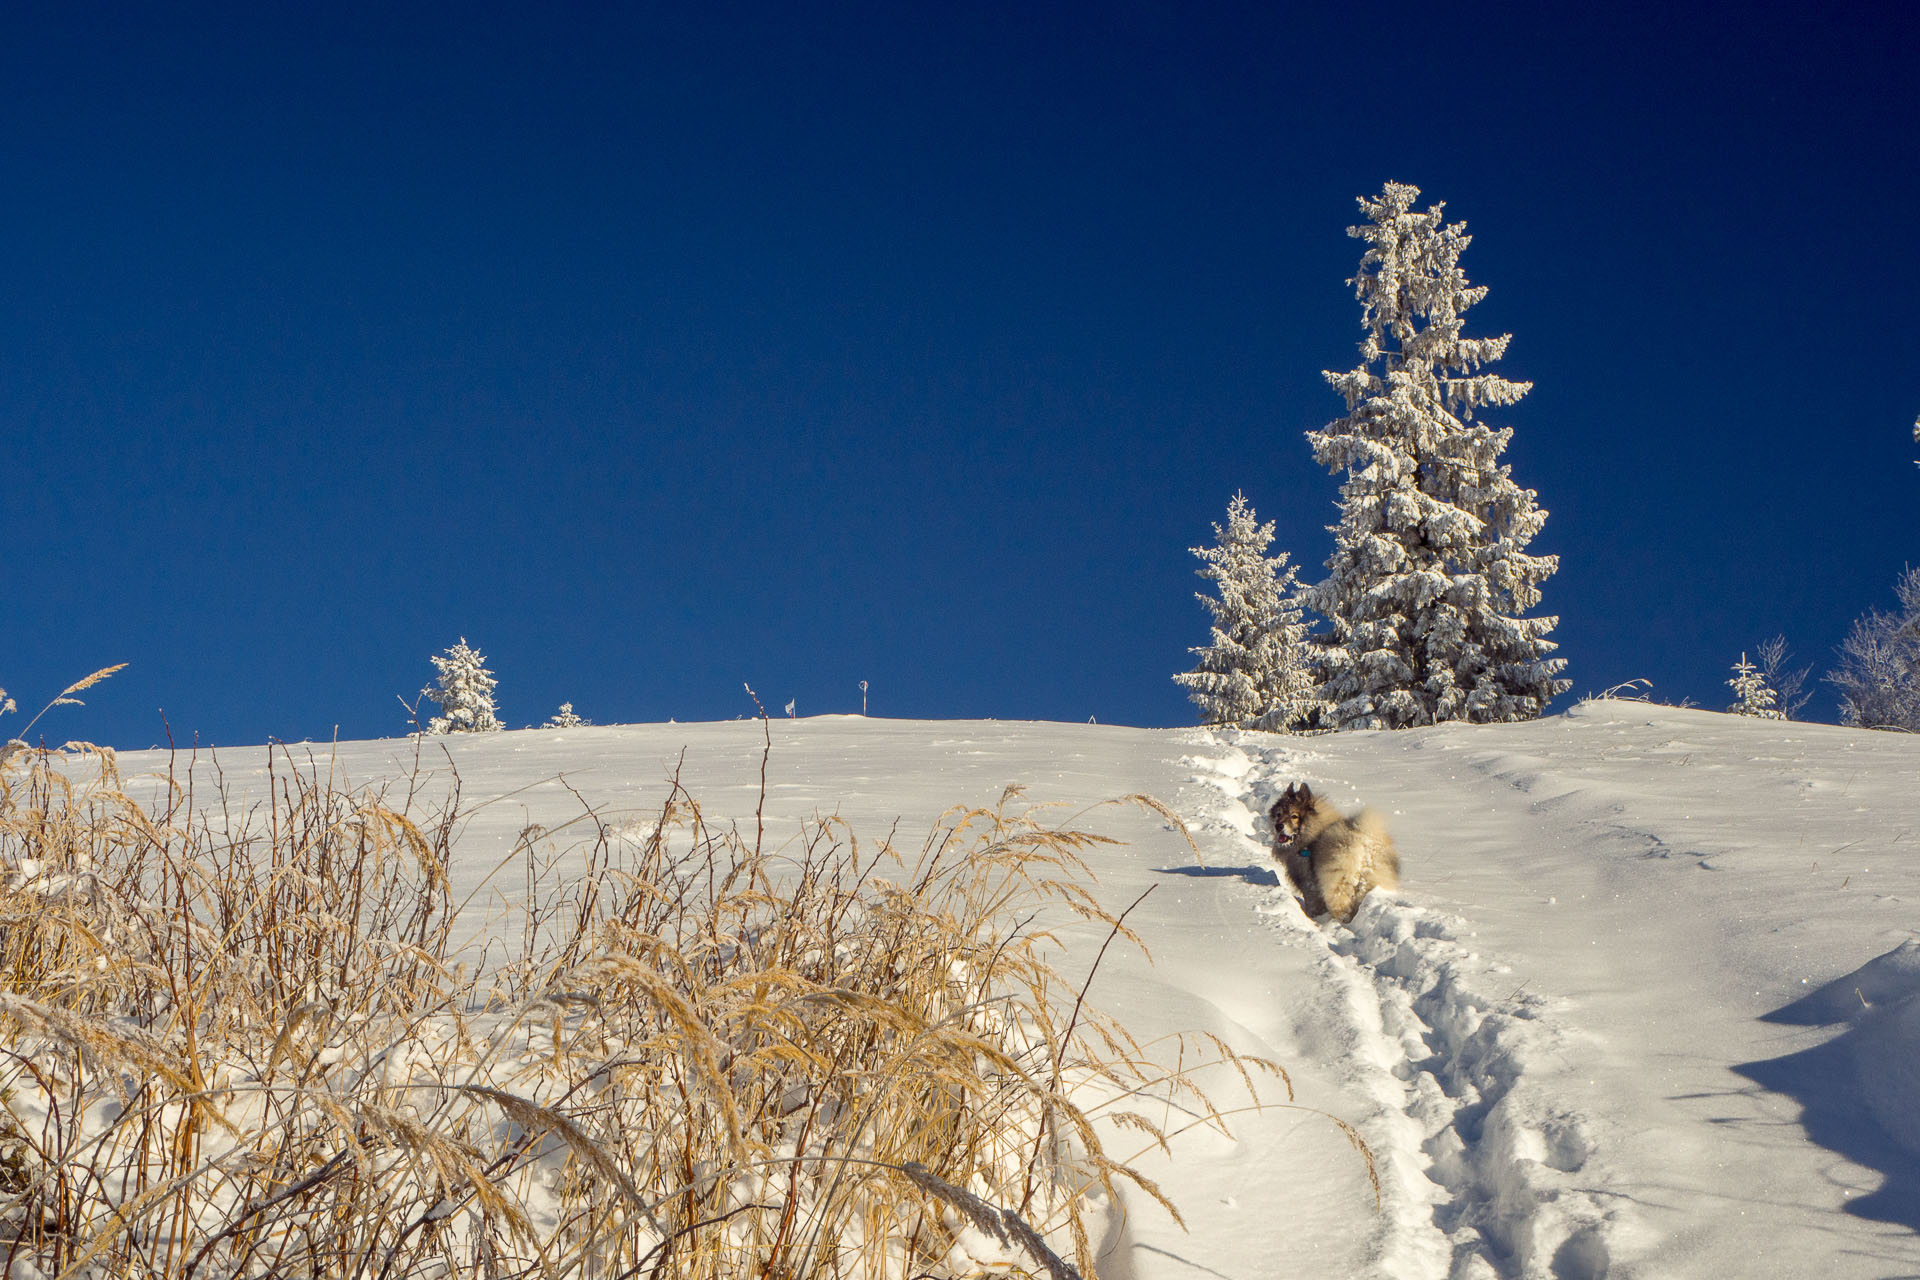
<point x="1306" y="885"/>
<point x="1343" y="895"/>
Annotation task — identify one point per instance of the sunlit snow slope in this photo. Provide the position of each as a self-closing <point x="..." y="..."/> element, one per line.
<point x="1647" y="1005"/>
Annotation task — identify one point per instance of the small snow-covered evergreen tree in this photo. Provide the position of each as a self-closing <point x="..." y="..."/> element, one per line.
<point x="564" y="718"/>
<point x="1754" y="696"/>
<point x="1429" y="578"/>
<point x="464" y="692"/>
<point x="1253" y="674"/>
<point x="1879" y="671"/>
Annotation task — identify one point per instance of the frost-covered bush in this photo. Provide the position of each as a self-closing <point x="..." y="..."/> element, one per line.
<point x="464" y="693"/>
<point x="1879" y="671"/>
<point x="1429" y="578"/>
<point x="1253" y="673"/>
<point x="564" y="718"/>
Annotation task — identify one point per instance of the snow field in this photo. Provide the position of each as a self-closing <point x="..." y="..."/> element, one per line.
<point x="1647" y="1005"/>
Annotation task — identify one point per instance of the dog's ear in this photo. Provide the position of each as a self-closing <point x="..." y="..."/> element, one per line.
<point x="1306" y="794"/>
<point x="1292" y="791"/>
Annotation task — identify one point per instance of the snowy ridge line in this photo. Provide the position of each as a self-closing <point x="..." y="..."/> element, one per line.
<point x="1479" y="1168"/>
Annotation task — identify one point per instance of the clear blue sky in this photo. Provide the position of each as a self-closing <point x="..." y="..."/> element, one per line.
<point x="657" y="351"/>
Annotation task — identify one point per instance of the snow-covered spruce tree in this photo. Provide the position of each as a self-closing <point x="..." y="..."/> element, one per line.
<point x="1429" y="576"/>
<point x="1753" y="695"/>
<point x="1253" y="673"/>
<point x="564" y="718"/>
<point x="464" y="693"/>
<point x="1879" y="671"/>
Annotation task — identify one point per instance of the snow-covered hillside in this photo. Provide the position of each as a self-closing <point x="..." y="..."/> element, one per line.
<point x="1647" y="1005"/>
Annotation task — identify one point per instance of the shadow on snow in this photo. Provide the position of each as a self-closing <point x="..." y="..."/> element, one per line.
<point x="1261" y="877"/>
<point x="1859" y="1093"/>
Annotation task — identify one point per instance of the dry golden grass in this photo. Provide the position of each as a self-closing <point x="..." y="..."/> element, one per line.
<point x="247" y="1041"/>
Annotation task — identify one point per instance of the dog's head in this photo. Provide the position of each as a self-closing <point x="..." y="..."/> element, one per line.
<point x="1289" y="813"/>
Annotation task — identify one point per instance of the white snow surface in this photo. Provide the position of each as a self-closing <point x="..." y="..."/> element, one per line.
<point x="1647" y="1004"/>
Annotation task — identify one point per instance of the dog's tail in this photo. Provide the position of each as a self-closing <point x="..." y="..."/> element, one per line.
<point x="1372" y="829"/>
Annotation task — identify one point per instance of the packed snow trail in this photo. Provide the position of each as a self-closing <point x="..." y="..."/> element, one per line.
<point x="1482" y="1167"/>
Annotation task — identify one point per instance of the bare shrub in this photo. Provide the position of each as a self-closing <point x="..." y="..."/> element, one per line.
<point x="1787" y="681"/>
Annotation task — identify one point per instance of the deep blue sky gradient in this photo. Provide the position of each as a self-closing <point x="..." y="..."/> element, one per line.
<point x="658" y="351"/>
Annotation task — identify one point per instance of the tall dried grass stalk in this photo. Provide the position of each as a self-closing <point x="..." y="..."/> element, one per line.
<point x="245" y="1038"/>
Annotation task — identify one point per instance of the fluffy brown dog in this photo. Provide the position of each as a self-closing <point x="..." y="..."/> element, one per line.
<point x="1333" y="861"/>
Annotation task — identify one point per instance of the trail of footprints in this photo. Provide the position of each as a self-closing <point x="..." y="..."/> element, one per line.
<point x="1447" y="1039"/>
<point x="1502" y="1151"/>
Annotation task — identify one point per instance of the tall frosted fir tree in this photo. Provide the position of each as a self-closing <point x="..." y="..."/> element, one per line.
<point x="1252" y="674"/>
<point x="464" y="693"/>
<point x="1429" y="576"/>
